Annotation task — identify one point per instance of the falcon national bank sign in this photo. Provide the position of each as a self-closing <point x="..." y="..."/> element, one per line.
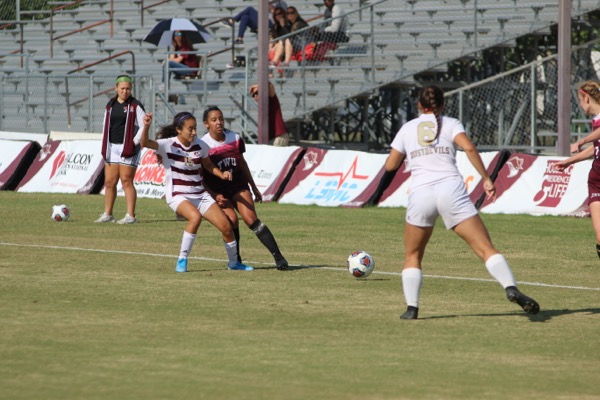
<point x="339" y="178"/>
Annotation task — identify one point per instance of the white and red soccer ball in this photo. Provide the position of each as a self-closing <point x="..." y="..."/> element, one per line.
<point x="60" y="213"/>
<point x="360" y="264"/>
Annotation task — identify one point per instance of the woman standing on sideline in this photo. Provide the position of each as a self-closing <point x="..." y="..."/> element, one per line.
<point x="227" y="153"/>
<point x="121" y="132"/>
<point x="183" y="157"/>
<point x="429" y="144"/>
<point x="589" y="101"/>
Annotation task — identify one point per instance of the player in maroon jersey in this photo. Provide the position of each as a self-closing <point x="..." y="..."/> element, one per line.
<point x="227" y="153"/>
<point x="589" y="101"/>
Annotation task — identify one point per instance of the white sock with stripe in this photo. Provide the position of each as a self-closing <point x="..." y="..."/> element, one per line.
<point x="186" y="244"/>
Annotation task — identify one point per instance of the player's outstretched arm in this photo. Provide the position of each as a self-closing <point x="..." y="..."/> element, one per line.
<point x="145" y="140"/>
<point x="583" y="155"/>
<point x="592" y="137"/>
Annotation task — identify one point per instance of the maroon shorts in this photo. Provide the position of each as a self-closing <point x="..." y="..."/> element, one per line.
<point x="593" y="186"/>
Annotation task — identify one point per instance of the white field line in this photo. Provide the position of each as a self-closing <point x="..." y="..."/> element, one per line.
<point x="138" y="253"/>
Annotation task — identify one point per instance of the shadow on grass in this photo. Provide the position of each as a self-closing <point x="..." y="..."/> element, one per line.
<point x="542" y="316"/>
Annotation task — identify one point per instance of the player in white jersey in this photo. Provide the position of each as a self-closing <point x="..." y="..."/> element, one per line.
<point x="184" y="156"/>
<point x="428" y="143"/>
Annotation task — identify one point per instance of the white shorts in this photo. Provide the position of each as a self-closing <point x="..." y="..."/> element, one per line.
<point x="113" y="156"/>
<point x="447" y="198"/>
<point x="202" y="201"/>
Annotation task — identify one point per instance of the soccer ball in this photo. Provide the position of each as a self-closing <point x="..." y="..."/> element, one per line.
<point x="360" y="264"/>
<point x="60" y="213"/>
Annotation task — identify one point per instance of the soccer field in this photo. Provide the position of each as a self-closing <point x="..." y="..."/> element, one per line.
<point x="96" y="311"/>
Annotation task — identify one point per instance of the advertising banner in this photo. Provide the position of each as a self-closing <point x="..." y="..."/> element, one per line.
<point x="340" y="177"/>
<point x="270" y="167"/>
<point x="529" y="184"/>
<point x="15" y="158"/>
<point x="149" y="177"/>
<point x="64" y="167"/>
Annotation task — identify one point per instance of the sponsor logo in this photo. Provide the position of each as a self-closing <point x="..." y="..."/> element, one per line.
<point x="554" y="186"/>
<point x="63" y="163"/>
<point x="149" y="171"/>
<point x="58" y="163"/>
<point x="45" y="152"/>
<point x="310" y="160"/>
<point x="515" y="166"/>
<point x="338" y="187"/>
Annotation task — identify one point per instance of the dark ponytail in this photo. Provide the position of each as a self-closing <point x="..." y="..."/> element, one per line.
<point x="432" y="99"/>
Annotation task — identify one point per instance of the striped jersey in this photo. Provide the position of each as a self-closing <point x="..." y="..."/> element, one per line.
<point x="183" y="167"/>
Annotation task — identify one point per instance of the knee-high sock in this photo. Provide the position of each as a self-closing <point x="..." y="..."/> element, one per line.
<point x="236" y="234"/>
<point x="186" y="244"/>
<point x="231" y="249"/>
<point x="412" y="279"/>
<point x="598" y="249"/>
<point x="499" y="269"/>
<point x="265" y="236"/>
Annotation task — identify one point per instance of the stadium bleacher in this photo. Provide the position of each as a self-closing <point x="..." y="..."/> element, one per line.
<point x="391" y="41"/>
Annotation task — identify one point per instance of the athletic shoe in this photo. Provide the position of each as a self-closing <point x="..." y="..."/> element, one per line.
<point x="411" y="313"/>
<point x="281" y="263"/>
<point x="527" y="303"/>
<point x="105" y="218"/>
<point x="238" y="266"/>
<point x="181" y="265"/>
<point x="127" y="220"/>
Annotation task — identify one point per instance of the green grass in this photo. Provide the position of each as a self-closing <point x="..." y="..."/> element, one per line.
<point x="96" y="311"/>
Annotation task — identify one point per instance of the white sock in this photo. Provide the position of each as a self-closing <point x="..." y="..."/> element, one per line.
<point x="499" y="269"/>
<point x="412" y="278"/>
<point x="231" y="249"/>
<point x="186" y="244"/>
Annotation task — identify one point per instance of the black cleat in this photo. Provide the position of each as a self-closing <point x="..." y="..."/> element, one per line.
<point x="282" y="264"/>
<point x="411" y="313"/>
<point x="527" y="303"/>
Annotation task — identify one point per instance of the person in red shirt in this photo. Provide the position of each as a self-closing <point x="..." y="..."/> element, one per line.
<point x="277" y="130"/>
<point x="182" y="64"/>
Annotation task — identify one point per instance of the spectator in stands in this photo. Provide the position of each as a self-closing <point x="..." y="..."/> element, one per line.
<point x="121" y="135"/>
<point x="429" y="144"/>
<point x="227" y="152"/>
<point x="181" y="65"/>
<point x="589" y="101"/>
<point x="248" y="18"/>
<point x="336" y="28"/>
<point x="300" y="46"/>
<point x="185" y="157"/>
<point x="280" y="28"/>
<point x="277" y="130"/>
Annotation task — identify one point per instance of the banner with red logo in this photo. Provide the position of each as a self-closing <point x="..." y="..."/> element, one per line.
<point x="270" y="167"/>
<point x="64" y="167"/>
<point x="149" y="177"/>
<point x="340" y="177"/>
<point x="529" y="184"/>
<point x="15" y="158"/>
